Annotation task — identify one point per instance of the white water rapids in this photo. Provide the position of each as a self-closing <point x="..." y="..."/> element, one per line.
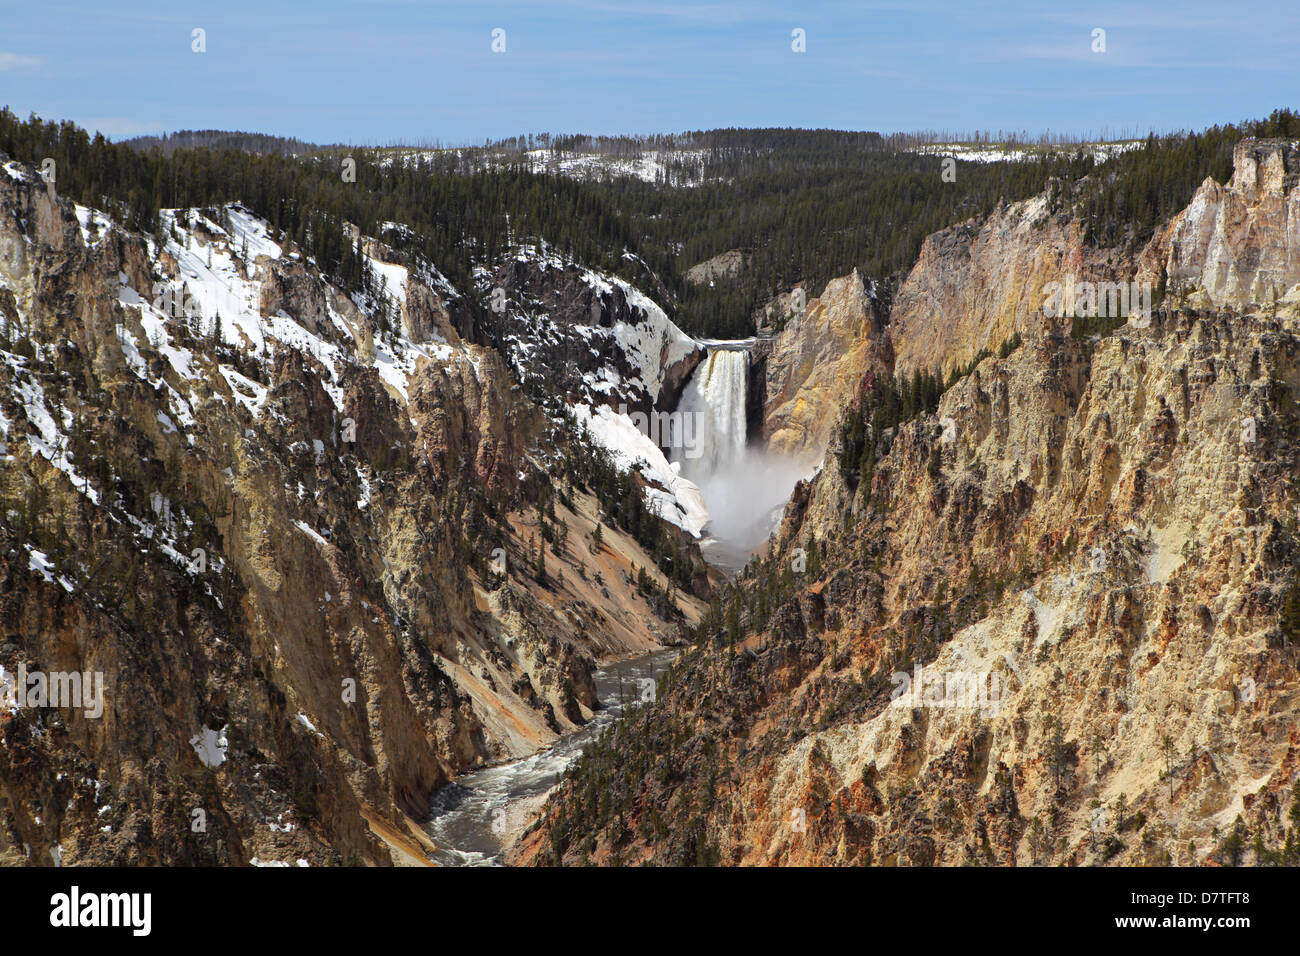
<point x="477" y="814"/>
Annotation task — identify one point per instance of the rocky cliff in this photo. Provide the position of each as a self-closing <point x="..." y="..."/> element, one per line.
<point x="725" y="265"/>
<point x="321" y="551"/>
<point x="588" y="338"/>
<point x="1237" y="244"/>
<point x="814" y="365"/>
<point x="977" y="284"/>
<point x="1054" y="622"/>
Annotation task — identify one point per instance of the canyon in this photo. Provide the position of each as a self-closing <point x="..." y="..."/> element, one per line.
<point x="364" y="569"/>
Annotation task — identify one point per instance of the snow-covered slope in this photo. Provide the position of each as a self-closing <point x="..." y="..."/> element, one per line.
<point x="608" y="352"/>
<point x="218" y="289"/>
<point x="668" y="167"/>
<point x="1014" y="153"/>
<point x="670" y="495"/>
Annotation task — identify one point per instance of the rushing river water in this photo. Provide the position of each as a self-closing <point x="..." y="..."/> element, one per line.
<point x="473" y="814"/>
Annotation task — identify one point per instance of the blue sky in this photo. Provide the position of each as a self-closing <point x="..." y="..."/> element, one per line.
<point x="406" y="71"/>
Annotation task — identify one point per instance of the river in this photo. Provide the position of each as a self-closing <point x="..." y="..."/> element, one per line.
<point x="474" y="813"/>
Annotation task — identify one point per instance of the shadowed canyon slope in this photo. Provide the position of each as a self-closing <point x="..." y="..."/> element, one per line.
<point x="325" y="552"/>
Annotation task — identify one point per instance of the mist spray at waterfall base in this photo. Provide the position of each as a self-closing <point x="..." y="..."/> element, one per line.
<point x="746" y="501"/>
<point x="744" y="488"/>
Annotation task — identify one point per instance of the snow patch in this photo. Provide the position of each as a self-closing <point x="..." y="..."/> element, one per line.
<point x="673" y="497"/>
<point x="211" y="746"/>
<point x="305" y="529"/>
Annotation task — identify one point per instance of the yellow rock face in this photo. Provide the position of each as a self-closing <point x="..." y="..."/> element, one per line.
<point x="815" y="365"/>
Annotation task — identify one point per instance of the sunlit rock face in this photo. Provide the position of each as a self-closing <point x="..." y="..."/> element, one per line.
<point x="978" y="283"/>
<point x="815" y="364"/>
<point x="1099" y="531"/>
<point x="1237" y="244"/>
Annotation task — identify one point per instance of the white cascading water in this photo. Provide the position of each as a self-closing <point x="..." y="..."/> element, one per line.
<point x="713" y="416"/>
<point x="744" y="489"/>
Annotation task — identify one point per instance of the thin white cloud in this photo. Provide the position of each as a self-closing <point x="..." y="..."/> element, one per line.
<point x="17" y="61"/>
<point x="1144" y="54"/>
<point x="1074" y="51"/>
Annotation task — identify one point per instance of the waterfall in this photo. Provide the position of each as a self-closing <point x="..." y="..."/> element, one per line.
<point x="709" y="437"/>
<point x="744" y="489"/>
